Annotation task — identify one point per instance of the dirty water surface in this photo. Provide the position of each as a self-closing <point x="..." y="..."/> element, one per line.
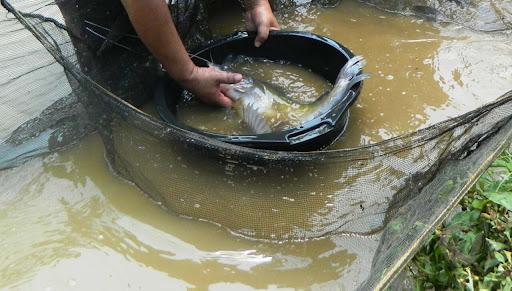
<point x="291" y="84"/>
<point x="421" y="73"/>
<point x="68" y="223"/>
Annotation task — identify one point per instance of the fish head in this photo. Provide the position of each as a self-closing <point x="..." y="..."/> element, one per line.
<point x="242" y="90"/>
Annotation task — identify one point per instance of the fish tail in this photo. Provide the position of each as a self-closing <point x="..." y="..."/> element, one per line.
<point x="357" y="79"/>
<point x="352" y="68"/>
<point x="348" y="76"/>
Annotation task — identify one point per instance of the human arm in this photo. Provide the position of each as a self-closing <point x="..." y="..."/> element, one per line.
<point x="153" y="24"/>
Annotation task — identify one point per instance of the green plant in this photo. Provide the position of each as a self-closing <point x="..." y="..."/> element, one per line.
<point x="474" y="249"/>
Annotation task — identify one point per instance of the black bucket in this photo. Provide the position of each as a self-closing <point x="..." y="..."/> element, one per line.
<point x="319" y="54"/>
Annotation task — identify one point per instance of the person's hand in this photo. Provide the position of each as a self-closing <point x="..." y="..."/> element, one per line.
<point x="205" y="83"/>
<point x="259" y="18"/>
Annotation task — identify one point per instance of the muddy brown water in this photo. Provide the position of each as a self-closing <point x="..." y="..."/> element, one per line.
<point x="68" y="223"/>
<point x="288" y="81"/>
<point x="421" y="73"/>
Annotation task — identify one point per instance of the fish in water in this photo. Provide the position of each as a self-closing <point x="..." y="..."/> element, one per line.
<point x="265" y="109"/>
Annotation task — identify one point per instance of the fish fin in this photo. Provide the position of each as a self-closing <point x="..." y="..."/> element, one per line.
<point x="255" y="121"/>
<point x="358" y="79"/>
<point x="351" y="68"/>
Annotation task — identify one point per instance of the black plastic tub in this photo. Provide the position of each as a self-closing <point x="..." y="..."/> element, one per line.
<point x="319" y="54"/>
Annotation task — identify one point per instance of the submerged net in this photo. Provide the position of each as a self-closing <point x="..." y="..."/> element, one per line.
<point x="382" y="199"/>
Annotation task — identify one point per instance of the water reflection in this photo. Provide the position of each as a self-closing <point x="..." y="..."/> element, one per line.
<point x="67" y="222"/>
<point x="421" y="73"/>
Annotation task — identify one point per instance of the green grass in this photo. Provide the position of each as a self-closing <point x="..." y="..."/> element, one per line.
<point x="473" y="250"/>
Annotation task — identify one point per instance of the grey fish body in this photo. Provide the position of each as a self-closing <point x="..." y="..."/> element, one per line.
<point x="264" y="109"/>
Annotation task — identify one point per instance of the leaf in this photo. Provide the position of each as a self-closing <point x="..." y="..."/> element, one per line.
<point x="465" y="218"/>
<point x="499" y="163"/>
<point x="443" y="277"/>
<point x="467" y="243"/>
<point x="507" y="234"/>
<point x="479" y="204"/>
<point x="495" y="245"/>
<point x="499" y="257"/>
<point x="484" y="286"/>
<point x="508" y="255"/>
<point x="503" y="198"/>
<point x="490" y="263"/>
<point x="508" y="285"/>
<point x="418" y="286"/>
<point x="491" y="186"/>
<point x="502" y="164"/>
<point x="427" y="268"/>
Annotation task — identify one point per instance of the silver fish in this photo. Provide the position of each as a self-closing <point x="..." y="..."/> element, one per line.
<point x="264" y="109"/>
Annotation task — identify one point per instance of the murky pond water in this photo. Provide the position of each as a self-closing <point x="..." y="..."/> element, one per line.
<point x="67" y="223"/>
<point x="291" y="84"/>
<point x="420" y="73"/>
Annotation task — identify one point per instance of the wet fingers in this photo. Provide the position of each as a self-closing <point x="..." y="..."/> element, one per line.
<point x="224" y="101"/>
<point x="263" y="31"/>
<point x="228" y="78"/>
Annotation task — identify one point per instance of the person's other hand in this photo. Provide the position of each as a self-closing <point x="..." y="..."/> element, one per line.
<point x="259" y="18"/>
<point x="205" y="83"/>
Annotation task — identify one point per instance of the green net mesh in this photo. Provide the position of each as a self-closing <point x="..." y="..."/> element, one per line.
<point x="379" y="201"/>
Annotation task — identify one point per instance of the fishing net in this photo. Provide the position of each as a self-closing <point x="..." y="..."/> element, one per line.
<point x="381" y="200"/>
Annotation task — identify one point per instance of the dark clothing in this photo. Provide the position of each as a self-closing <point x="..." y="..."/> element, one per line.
<point x="109" y="52"/>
